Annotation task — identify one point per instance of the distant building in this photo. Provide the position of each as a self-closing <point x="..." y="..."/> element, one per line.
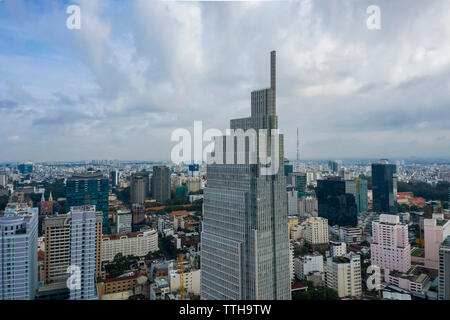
<point x="350" y="235"/>
<point x="18" y="252"/>
<point x="161" y="183"/>
<point x="335" y="204"/>
<point x="85" y="250"/>
<point x="26" y="167"/>
<point x="307" y="206"/>
<point x="135" y="243"/>
<point x="358" y="188"/>
<point x="46" y="207"/>
<point x="390" y="248"/>
<point x="384" y="187"/>
<point x="89" y="188"/>
<point x="139" y="187"/>
<point x="444" y="270"/>
<point x="436" y="231"/>
<point x="298" y="180"/>
<point x="308" y="265"/>
<point x="114" y="177"/>
<point x="292" y="201"/>
<point x="138" y="216"/>
<point x="57" y="248"/>
<point x="316" y="232"/>
<point x="344" y="275"/>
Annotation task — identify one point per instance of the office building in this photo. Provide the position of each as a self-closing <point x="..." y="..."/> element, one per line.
<point x="298" y="180"/>
<point x="436" y="231"/>
<point x="384" y="188"/>
<point x="344" y="275"/>
<point x="390" y="248"/>
<point x="316" y="232"/>
<point x="335" y="204"/>
<point x="358" y="188"/>
<point x="139" y="187"/>
<point x="161" y="183"/>
<point x="25" y="168"/>
<point x="18" y="252"/>
<point x="114" y="177"/>
<point x="308" y="206"/>
<point x="138" y="216"/>
<point x="444" y="270"/>
<point x="89" y="188"/>
<point x="292" y="201"/>
<point x="57" y="248"/>
<point x="123" y="221"/>
<point x="85" y="250"/>
<point x="245" y="241"/>
<point x="3" y="180"/>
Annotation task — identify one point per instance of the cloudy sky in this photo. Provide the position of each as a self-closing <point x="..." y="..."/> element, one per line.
<point x="137" y="70"/>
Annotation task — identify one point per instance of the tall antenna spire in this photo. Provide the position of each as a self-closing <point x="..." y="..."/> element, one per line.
<point x="298" y="148"/>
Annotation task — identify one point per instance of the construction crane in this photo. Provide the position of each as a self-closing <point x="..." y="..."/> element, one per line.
<point x="181" y="268"/>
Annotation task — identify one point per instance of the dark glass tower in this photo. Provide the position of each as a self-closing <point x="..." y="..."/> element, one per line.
<point x="335" y="204"/>
<point x="89" y="188"/>
<point x="384" y="187"/>
<point x="245" y="241"/>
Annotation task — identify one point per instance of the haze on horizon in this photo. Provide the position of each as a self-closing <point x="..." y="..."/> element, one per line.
<point x="137" y="70"/>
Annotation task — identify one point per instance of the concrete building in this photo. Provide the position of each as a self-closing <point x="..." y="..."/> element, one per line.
<point x="161" y="183"/>
<point x="139" y="187"/>
<point x="308" y="265"/>
<point x="436" y="231"/>
<point x="316" y="232"/>
<point x="18" y="252"/>
<point x="292" y="201"/>
<point x="308" y="206"/>
<point x="124" y="221"/>
<point x="390" y="248"/>
<point x="245" y="240"/>
<point x="194" y="184"/>
<point x="85" y="250"/>
<point x="191" y="279"/>
<point x="444" y="270"/>
<point x="338" y="249"/>
<point x="136" y="243"/>
<point x="57" y="248"/>
<point x="350" y="235"/>
<point x="344" y="275"/>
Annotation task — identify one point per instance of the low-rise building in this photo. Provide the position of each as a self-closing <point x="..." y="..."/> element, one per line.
<point x="135" y="243"/>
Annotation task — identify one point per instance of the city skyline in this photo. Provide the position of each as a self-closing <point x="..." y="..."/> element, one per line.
<point x="134" y="72"/>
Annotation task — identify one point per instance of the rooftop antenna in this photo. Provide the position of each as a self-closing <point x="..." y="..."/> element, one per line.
<point x="298" y="148"/>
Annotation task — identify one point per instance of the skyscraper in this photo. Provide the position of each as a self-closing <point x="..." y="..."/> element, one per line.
<point x="18" y="252"/>
<point x="444" y="270"/>
<point x="161" y="183"/>
<point x="139" y="187"/>
<point x="245" y="241"/>
<point x="384" y="187"/>
<point x="335" y="204"/>
<point x="85" y="252"/>
<point x="358" y="188"/>
<point x="114" y="177"/>
<point x="89" y="188"/>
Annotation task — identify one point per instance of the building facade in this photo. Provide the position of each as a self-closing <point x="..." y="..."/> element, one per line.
<point x="444" y="270"/>
<point x="344" y="275"/>
<point x="161" y="183"/>
<point x="139" y="187"/>
<point x="245" y="241"/>
<point x="384" y="187"/>
<point x="316" y="232"/>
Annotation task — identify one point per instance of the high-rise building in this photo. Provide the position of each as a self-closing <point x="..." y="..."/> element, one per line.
<point x="335" y="204"/>
<point x="138" y="216"/>
<point x="298" y="180"/>
<point x="316" y="232"/>
<point x="139" y="187"/>
<point x="123" y="221"/>
<point x="57" y="248"/>
<point x="390" y="248"/>
<point x="384" y="187"/>
<point x="358" y="188"/>
<point x="26" y="167"/>
<point x="333" y="166"/>
<point x="85" y="250"/>
<point x="89" y="188"/>
<point x="114" y="177"/>
<point x="18" y="252"/>
<point x="292" y="201"/>
<point x="444" y="270"/>
<point x="344" y="275"/>
<point x="245" y="241"/>
<point x="161" y="183"/>
<point x="3" y="179"/>
<point x="436" y="230"/>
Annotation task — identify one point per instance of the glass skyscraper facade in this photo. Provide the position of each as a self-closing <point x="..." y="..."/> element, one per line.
<point x="245" y="242"/>
<point x="335" y="204"/>
<point x="384" y="187"/>
<point x="90" y="188"/>
<point x="358" y="188"/>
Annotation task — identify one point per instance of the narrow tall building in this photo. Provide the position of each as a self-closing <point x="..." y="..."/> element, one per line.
<point x="139" y="187"/>
<point x="384" y="187"/>
<point x="18" y="252"/>
<point x="245" y="241"/>
<point x="89" y="188"/>
<point x="161" y="183"/>
<point x="85" y="250"/>
<point x="444" y="270"/>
